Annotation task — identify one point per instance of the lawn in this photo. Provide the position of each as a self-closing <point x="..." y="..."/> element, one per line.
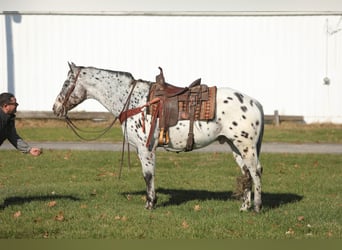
<point x="77" y="195"/>
<point x="57" y="130"/>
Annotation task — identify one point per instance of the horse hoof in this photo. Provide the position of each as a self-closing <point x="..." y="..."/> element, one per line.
<point x="243" y="209"/>
<point x="257" y="209"/>
<point x="149" y="205"/>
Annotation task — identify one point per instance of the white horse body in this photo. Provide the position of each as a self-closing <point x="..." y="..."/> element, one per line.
<point x="238" y="121"/>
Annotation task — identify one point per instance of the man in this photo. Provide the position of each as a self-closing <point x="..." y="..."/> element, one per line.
<point x="8" y="108"/>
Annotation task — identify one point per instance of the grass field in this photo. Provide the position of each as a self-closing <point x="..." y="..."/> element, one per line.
<point x="76" y="195"/>
<point x="57" y="130"/>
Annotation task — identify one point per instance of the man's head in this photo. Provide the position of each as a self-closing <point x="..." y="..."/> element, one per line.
<point x="8" y="103"/>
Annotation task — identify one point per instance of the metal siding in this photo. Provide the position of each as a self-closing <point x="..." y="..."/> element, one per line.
<point x="278" y="60"/>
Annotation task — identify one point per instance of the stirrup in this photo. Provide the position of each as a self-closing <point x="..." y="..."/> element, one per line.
<point x="164" y="138"/>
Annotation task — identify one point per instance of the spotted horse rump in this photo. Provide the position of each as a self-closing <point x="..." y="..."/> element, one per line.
<point x="238" y="120"/>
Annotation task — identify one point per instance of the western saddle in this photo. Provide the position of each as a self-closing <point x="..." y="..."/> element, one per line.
<point x="171" y="104"/>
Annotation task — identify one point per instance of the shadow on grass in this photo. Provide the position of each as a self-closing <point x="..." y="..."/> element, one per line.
<point x="19" y="200"/>
<point x="180" y="196"/>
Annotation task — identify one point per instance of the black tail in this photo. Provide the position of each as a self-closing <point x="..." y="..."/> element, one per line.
<point x="261" y="128"/>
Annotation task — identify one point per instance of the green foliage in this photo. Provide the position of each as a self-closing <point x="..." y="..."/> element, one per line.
<point x="77" y="194"/>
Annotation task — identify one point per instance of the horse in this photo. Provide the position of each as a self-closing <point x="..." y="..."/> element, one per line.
<point x="238" y="121"/>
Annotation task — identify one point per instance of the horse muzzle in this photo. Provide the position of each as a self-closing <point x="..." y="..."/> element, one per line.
<point x="59" y="110"/>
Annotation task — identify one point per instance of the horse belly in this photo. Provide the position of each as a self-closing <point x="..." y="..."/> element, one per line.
<point x="204" y="134"/>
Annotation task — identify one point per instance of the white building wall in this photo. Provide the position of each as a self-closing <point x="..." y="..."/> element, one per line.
<point x="280" y="60"/>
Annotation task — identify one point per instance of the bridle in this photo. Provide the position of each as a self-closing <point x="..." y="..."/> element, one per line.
<point x="71" y="89"/>
<point x="76" y="129"/>
<point x="72" y="125"/>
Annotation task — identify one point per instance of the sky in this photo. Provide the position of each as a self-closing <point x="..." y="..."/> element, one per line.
<point x="170" y="5"/>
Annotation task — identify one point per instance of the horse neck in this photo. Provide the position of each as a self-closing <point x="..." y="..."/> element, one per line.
<point x="112" y="89"/>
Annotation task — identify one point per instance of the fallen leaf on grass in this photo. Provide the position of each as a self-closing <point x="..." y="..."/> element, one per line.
<point x="52" y="204"/>
<point x="197" y="207"/>
<point x="17" y="214"/>
<point x="67" y="156"/>
<point x="290" y="232"/>
<point x="300" y="218"/>
<point x="118" y="217"/>
<point x="185" y="225"/>
<point x="46" y="235"/>
<point x="60" y="216"/>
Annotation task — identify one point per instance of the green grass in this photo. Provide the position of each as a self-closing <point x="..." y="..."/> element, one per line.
<point x="301" y="133"/>
<point x="74" y="195"/>
<point x="45" y="130"/>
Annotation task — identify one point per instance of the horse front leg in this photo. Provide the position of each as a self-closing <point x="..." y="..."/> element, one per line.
<point x="147" y="160"/>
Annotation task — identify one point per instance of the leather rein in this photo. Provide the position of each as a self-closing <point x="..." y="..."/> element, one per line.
<point x="76" y="129"/>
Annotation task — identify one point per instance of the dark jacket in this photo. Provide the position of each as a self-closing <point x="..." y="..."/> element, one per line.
<point x="9" y="132"/>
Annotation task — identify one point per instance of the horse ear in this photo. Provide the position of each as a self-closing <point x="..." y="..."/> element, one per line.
<point x="72" y="66"/>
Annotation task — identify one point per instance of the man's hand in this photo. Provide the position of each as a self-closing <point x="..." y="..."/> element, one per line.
<point x="35" y="151"/>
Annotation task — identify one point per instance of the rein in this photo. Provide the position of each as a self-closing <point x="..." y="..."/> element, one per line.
<point x="72" y="125"/>
<point x="76" y="130"/>
<point x="124" y="110"/>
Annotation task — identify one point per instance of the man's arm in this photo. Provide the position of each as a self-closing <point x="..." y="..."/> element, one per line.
<point x="17" y="141"/>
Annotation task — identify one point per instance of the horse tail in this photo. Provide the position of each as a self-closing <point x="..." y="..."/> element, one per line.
<point x="262" y="123"/>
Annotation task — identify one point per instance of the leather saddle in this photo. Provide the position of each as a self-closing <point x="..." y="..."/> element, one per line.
<point x="196" y="102"/>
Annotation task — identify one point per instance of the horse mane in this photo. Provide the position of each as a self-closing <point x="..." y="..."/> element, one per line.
<point x="121" y="73"/>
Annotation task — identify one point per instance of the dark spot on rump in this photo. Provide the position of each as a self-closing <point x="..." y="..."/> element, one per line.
<point x="225" y="101"/>
<point x="243" y="116"/>
<point x="244" y="108"/>
<point x="235" y="123"/>
<point x="239" y="96"/>
<point x="244" y="134"/>
<point x="251" y="103"/>
<point x="223" y="113"/>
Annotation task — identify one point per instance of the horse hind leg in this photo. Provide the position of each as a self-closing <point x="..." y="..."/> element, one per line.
<point x="251" y="167"/>
<point x="243" y="189"/>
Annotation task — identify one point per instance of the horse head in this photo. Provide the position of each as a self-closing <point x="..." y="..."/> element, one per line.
<point x="72" y="93"/>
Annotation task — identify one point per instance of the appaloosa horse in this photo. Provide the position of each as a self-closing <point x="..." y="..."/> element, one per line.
<point x="239" y="121"/>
